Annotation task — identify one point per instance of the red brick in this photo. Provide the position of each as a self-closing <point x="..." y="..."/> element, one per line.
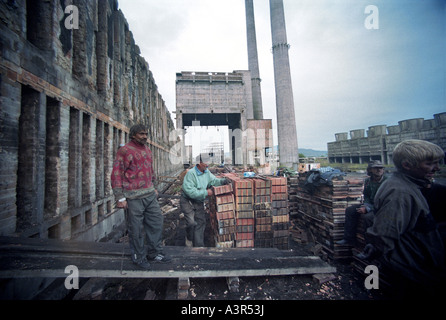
<point x="229" y="198"/>
<point x="222" y="189"/>
<point x="278" y="181"/>
<point x="245" y="222"/>
<point x="279" y="189"/>
<point x="245" y="236"/>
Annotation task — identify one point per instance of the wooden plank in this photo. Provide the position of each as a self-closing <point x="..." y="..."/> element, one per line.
<point x="53" y="267"/>
<point x="183" y="288"/>
<point x="49" y="258"/>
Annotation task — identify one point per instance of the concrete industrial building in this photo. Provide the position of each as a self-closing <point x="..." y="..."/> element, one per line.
<point x="68" y="97"/>
<point x="223" y="99"/>
<point x="381" y="140"/>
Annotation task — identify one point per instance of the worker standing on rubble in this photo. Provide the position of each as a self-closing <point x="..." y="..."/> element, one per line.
<point x="405" y="236"/>
<point x="132" y="182"/>
<point x="196" y="188"/>
<point x="375" y="171"/>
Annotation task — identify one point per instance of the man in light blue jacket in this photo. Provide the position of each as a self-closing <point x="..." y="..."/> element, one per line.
<point x="196" y="188"/>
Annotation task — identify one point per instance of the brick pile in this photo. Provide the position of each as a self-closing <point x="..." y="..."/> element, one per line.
<point x="264" y="225"/>
<point x="321" y="212"/>
<point x="244" y="213"/>
<point x="263" y="214"/>
<point x="222" y="216"/>
<point x="260" y="212"/>
<point x="280" y="212"/>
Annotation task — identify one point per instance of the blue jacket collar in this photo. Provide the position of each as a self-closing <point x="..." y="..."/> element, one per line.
<point x="199" y="173"/>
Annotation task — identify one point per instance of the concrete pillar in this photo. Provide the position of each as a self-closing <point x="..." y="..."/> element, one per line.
<point x="31" y="159"/>
<point x="9" y="158"/>
<point x="75" y="159"/>
<point x="108" y="158"/>
<point x="253" y="61"/>
<point x="102" y="77"/>
<point x="79" y="67"/>
<point x="286" y="123"/>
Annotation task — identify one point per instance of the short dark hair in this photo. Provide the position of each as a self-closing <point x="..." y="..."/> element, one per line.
<point x="136" y="128"/>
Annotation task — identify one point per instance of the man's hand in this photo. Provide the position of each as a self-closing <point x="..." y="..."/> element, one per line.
<point x="122" y="204"/>
<point x="362" y="210"/>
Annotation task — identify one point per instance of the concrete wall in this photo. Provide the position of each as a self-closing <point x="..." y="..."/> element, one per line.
<point x="216" y="99"/>
<point x="213" y="92"/>
<point x="382" y="139"/>
<point x="68" y="98"/>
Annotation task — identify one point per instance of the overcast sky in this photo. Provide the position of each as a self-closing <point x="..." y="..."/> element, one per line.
<point x="344" y="75"/>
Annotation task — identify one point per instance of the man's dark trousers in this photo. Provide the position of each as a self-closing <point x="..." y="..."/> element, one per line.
<point x="351" y="222"/>
<point x="145" y="220"/>
<point x="195" y="216"/>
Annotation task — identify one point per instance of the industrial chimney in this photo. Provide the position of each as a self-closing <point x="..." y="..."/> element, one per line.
<point x="286" y="123"/>
<point x="253" y="61"/>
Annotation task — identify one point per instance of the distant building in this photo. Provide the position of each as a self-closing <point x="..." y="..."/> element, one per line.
<point x="381" y="140"/>
<point x="213" y="153"/>
<point x="224" y="99"/>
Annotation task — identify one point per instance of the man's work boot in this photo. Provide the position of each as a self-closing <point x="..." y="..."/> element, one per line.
<point x="161" y="258"/>
<point x="142" y="262"/>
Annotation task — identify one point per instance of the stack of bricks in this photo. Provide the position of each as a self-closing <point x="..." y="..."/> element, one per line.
<point x="260" y="210"/>
<point x="264" y="225"/>
<point x="321" y="212"/>
<point x="263" y="213"/>
<point x="280" y="215"/>
<point x="243" y="198"/>
<point x="293" y="205"/>
<point x="222" y="216"/>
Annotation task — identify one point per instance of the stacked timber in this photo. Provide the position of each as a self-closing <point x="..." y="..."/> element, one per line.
<point x="280" y="212"/>
<point x="222" y="216"/>
<point x="321" y="211"/>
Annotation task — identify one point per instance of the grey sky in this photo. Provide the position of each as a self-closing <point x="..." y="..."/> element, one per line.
<point x="344" y="75"/>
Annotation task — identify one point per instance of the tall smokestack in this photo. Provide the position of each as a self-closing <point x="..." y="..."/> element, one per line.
<point x="253" y="61"/>
<point x="286" y="123"/>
